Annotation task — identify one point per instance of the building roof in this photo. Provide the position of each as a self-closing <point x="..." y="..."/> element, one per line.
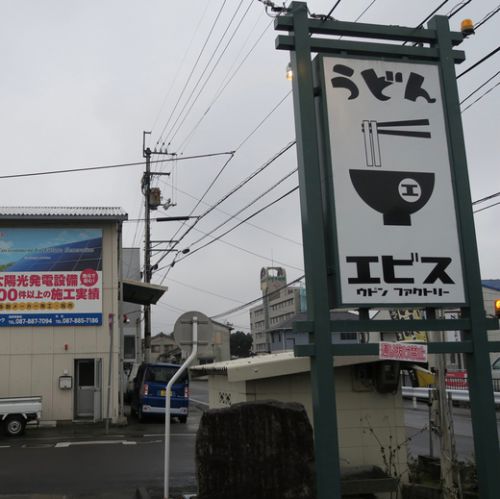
<point x="62" y="213"/>
<point x="302" y="316"/>
<point x="271" y="365"/>
<point x="491" y="284"/>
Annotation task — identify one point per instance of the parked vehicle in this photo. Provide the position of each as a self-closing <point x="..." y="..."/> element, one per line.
<point x="148" y="396"/>
<point x="15" y="412"/>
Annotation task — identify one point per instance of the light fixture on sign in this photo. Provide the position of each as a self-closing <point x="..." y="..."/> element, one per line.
<point x="467" y="27"/>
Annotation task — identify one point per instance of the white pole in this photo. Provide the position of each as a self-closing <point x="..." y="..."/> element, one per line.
<point x="174" y="378"/>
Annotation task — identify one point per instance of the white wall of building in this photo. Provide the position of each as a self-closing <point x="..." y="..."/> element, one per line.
<point x="33" y="358"/>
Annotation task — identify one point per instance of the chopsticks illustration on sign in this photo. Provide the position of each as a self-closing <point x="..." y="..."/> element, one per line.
<point x="372" y="129"/>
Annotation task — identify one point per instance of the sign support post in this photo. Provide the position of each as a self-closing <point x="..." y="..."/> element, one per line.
<point x="478" y="361"/>
<point x="323" y="392"/>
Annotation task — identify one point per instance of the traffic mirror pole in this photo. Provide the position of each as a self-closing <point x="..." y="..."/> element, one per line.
<point x="174" y="378"/>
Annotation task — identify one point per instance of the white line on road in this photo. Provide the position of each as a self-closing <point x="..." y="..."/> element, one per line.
<point x="95" y="442"/>
<point x="198" y="401"/>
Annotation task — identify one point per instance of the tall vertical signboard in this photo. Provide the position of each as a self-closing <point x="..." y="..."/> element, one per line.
<point x="386" y="208"/>
<point x="396" y="227"/>
<point x="50" y="277"/>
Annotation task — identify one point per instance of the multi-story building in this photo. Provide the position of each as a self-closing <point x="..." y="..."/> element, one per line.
<point x="279" y="303"/>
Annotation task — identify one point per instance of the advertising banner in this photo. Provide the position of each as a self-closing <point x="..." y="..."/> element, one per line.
<point x="396" y="228"/>
<point x="50" y="277"/>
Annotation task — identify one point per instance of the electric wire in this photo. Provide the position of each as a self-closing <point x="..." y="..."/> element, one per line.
<point x="365" y="11"/>
<point x="205" y="291"/>
<point x="168" y="137"/>
<point x="487" y="17"/>
<point x="267" y="231"/>
<point x="249" y="303"/>
<point x="120" y="165"/>
<point x="185" y="86"/>
<point x="192" y="252"/>
<point x="225" y="83"/>
<point x="206" y="78"/>
<point x="487" y="198"/>
<point x="487" y="207"/>
<point x="229" y="194"/>
<point x="457" y="8"/>
<point x="336" y="4"/>
<point x="475" y="65"/>
<point x="432" y="13"/>
<point x="260" y="196"/>
<point x="481" y="96"/>
<point x="479" y="88"/>
<point x="178" y="71"/>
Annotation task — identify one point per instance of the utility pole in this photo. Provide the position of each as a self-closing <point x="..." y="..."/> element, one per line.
<point x="146" y="189"/>
<point x="149" y="205"/>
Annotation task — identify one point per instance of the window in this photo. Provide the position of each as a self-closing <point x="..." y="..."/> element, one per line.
<point x="129" y="347"/>
<point x="163" y="374"/>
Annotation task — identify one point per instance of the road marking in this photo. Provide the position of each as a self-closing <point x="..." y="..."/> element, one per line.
<point x="5" y="446"/>
<point x="61" y="445"/>
<point x="198" y="401"/>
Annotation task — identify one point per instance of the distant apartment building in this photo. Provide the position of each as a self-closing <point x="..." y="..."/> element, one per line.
<point x="279" y="303"/>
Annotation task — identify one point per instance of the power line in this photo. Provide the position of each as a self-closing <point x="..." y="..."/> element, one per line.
<point x="192" y="252"/>
<point x="487" y="17"/>
<point x="206" y="78"/>
<point x="120" y="165"/>
<point x="480" y="97"/>
<point x="247" y="304"/>
<point x="457" y="8"/>
<point x="260" y="196"/>
<point x="493" y="52"/>
<point x="479" y="88"/>
<point x="205" y="291"/>
<point x="178" y="71"/>
<point x="230" y="193"/>
<point x="365" y="11"/>
<point x="192" y="70"/>
<point x="236" y="218"/>
<point x="264" y="120"/>
<point x="332" y="9"/>
<point x="487" y="198"/>
<point x="487" y="207"/>
<point x="225" y="83"/>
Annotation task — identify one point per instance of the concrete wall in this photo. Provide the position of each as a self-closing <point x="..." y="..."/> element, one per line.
<point x="363" y="417"/>
<point x="33" y="358"/>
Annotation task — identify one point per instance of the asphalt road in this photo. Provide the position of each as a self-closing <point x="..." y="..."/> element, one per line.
<point x="416" y="418"/>
<point x="46" y="461"/>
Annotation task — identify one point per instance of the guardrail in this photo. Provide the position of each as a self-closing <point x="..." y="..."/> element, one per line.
<point x="455" y="395"/>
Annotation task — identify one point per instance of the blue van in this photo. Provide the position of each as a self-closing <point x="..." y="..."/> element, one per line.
<point x="148" y="396"/>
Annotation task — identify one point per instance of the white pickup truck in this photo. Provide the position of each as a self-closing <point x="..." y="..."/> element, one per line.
<point x="15" y="412"/>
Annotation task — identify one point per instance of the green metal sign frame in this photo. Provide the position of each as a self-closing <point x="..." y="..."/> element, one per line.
<point x="435" y="45"/>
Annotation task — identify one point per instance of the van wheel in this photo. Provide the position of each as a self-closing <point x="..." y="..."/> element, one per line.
<point x="14" y="426"/>
<point x="183" y="419"/>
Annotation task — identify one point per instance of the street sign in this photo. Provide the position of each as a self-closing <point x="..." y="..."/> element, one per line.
<point x="402" y="351"/>
<point x="183" y="333"/>
<point x="394" y="208"/>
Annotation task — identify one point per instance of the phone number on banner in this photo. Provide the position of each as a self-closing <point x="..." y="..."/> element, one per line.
<point x="50" y="320"/>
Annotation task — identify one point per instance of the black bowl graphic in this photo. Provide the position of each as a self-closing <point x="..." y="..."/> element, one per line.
<point x="394" y="194"/>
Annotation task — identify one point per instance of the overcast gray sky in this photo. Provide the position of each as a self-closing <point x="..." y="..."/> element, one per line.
<point x="81" y="80"/>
